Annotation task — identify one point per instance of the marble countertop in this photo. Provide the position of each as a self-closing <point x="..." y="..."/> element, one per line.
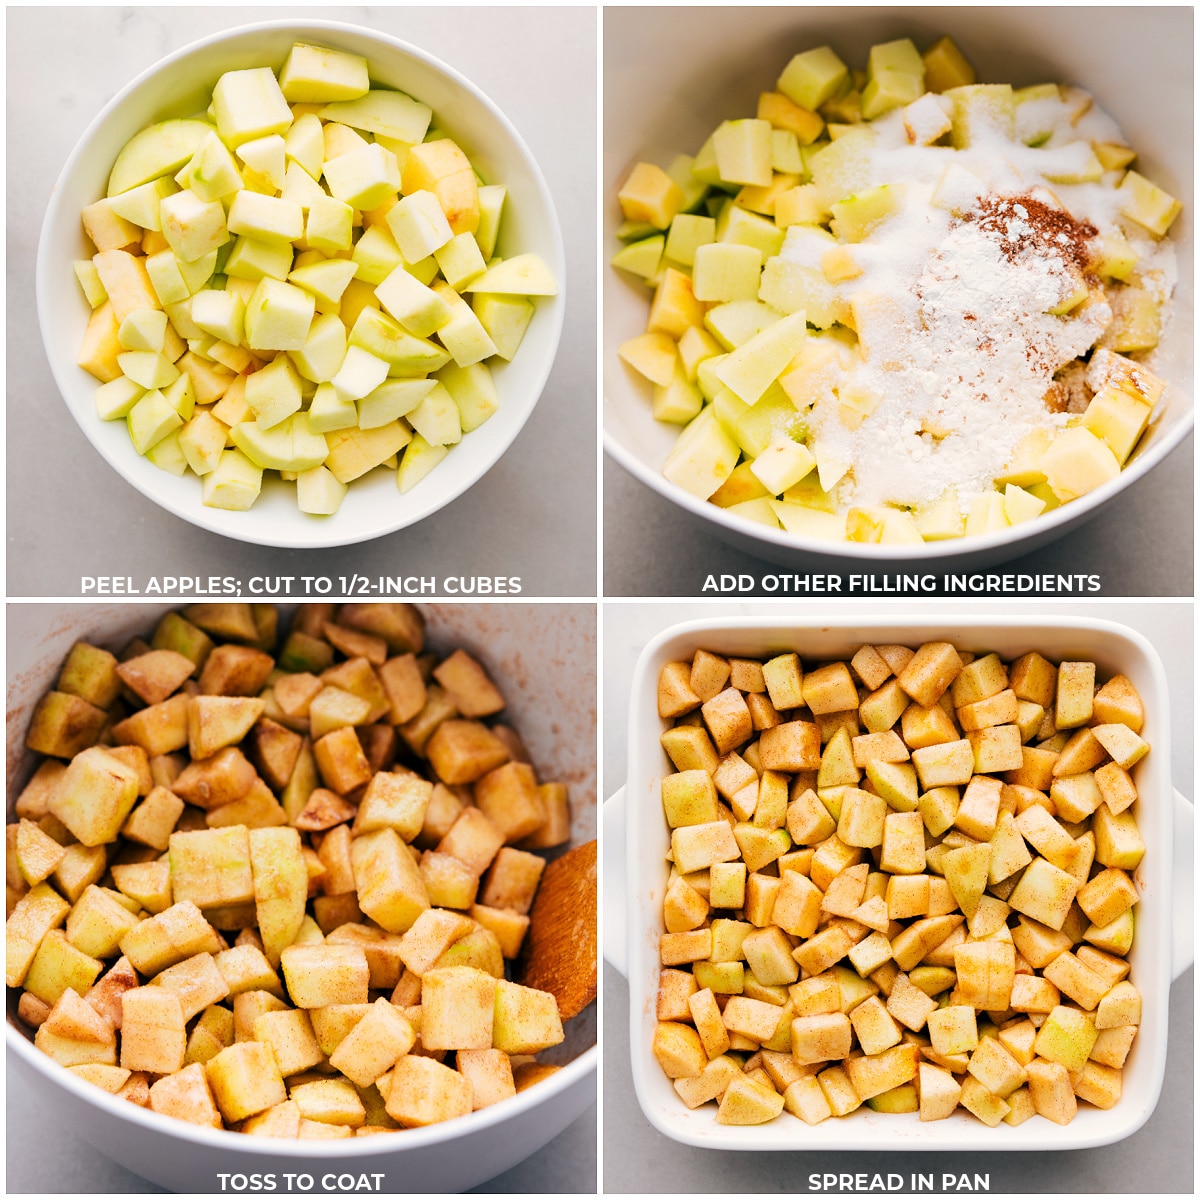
<point x="70" y="514"/>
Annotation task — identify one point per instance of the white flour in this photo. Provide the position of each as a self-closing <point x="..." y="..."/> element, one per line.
<point x="965" y="349"/>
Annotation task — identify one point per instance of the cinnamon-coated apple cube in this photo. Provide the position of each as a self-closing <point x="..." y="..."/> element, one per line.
<point x="245" y="968"/>
<point x="710" y="674"/>
<point x="196" y="981"/>
<point x="903" y="847"/>
<point x="394" y="800"/>
<point x="458" y="1006"/>
<point x="697" y="847"/>
<point x="821" y="952"/>
<point x="334" y="708"/>
<point x="884" y="747"/>
<point x="792" y="746"/>
<point x="747" y="1102"/>
<point x="753" y="1019"/>
<point x="1121" y="1006"/>
<point x="429" y="937"/>
<point x="862" y="818"/>
<point x="151" y="823"/>
<point x="186" y="1096"/>
<point x="526" y="1020"/>
<point x="376" y="1043"/>
<point x="1117" y="702"/>
<point x="213" y="782"/>
<point x="931" y="670"/>
<point x="759" y="847"/>
<point x="769" y="955"/>
<point x="1119" y="842"/>
<point x="689" y="798"/>
<point x="980" y="679"/>
<point x="947" y="764"/>
<point x="830" y="689"/>
<point x="728" y="720"/>
<point x="1116" y="787"/>
<point x="327" y="974"/>
<point x="463" y="751"/>
<point x="908" y="1004"/>
<point x="873" y="1074"/>
<point x="98" y="922"/>
<point x="732" y="775"/>
<point x="1122" y="743"/>
<point x="675" y="988"/>
<point x="473" y="839"/>
<point x="212" y="867"/>
<point x="995" y="1068"/>
<point x="158" y="729"/>
<point x="1066" y="1037"/>
<point x="689" y="946"/>
<point x="512" y="880"/>
<point x="94" y="796"/>
<point x="153" y="1036"/>
<point x="1034" y="678"/>
<point x="690" y="748"/>
<point x="830" y="859"/>
<point x="72" y="1018"/>
<point x="675" y="695"/>
<point x="341" y="761"/>
<point x="1097" y="1084"/>
<point x="953" y="1030"/>
<point x="508" y="796"/>
<point x="424" y="1092"/>
<point x="388" y="882"/>
<point x="923" y="727"/>
<point x="490" y="1075"/>
<point x="1080" y="753"/>
<point x="808" y="820"/>
<point x="797" y="904"/>
<point x="448" y="882"/>
<point x="469" y="685"/>
<point x="884" y="706"/>
<point x="940" y="1092"/>
<point x="108" y="1078"/>
<point x="290" y="1035"/>
<point x="996" y="748"/>
<point x="981" y="1103"/>
<point x="1075" y="797"/>
<point x="245" y="1080"/>
<point x="509" y="928"/>
<point x="1107" y="895"/>
<point x="784" y="681"/>
<point x="1073" y="698"/>
<point x="1076" y="980"/>
<point x="176" y="933"/>
<point x="215" y="722"/>
<point x="873" y="1026"/>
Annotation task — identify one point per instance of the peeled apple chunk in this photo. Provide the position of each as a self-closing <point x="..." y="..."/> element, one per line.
<point x="892" y="303"/>
<point x="299" y="282"/>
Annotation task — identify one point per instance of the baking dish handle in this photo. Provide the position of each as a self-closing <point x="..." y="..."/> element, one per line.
<point x="614" y="881"/>
<point x="1183" y="924"/>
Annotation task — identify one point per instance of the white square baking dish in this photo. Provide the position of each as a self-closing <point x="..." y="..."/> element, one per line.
<point x="1114" y="648"/>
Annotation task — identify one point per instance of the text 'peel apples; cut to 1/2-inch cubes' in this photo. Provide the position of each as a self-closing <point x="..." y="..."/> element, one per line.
<point x="267" y="878"/>
<point x="905" y="880"/>
<point x="867" y="209"/>
<point x="251" y="240"/>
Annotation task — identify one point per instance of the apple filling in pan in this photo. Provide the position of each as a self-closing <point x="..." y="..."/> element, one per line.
<point x="905" y="882"/>
<point x="899" y="305"/>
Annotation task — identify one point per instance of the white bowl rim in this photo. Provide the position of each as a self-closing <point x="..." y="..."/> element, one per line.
<point x="197" y="514"/>
<point x="1059" y="1138"/>
<point x="1069" y="514"/>
<point x="571" y="1074"/>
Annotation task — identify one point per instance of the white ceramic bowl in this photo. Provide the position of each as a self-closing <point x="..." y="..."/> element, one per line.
<point x="544" y="659"/>
<point x="1161" y="817"/>
<point x="180" y="85"/>
<point x="672" y="74"/>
